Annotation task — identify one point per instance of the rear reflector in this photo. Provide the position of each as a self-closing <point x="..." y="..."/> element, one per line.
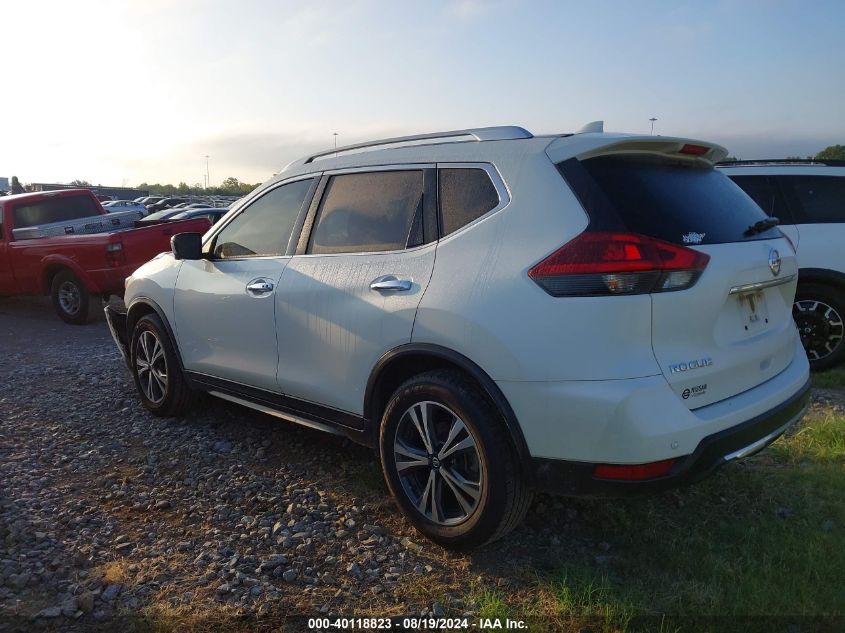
<point x="695" y="150"/>
<point x="602" y="263"/>
<point x="633" y="472"/>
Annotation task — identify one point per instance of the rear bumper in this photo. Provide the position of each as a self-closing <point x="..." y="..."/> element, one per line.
<point x="742" y="440"/>
<point x="116" y="320"/>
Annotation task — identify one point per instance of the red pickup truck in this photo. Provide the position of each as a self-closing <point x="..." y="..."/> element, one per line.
<point x="73" y="268"/>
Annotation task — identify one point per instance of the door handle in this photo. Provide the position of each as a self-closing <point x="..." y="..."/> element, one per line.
<point x="259" y="287"/>
<point x="390" y="282"/>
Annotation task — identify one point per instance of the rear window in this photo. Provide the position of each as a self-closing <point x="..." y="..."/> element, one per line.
<point x="674" y="201"/>
<point x="764" y="191"/>
<point x="55" y="210"/>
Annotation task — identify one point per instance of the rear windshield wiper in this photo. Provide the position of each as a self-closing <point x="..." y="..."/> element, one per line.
<point x="761" y="226"/>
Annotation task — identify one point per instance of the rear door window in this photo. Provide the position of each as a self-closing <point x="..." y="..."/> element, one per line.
<point x="465" y="195"/>
<point x="369" y="212"/>
<point x="59" y="209"/>
<point x="817" y="199"/>
<point x="675" y="201"/>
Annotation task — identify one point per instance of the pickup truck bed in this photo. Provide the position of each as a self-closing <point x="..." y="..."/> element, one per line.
<point x="74" y="268"/>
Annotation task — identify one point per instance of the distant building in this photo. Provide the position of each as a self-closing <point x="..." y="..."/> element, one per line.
<point x="4" y="184"/>
<point x="116" y="193"/>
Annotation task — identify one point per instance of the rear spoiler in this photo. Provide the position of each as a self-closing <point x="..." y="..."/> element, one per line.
<point x="591" y="145"/>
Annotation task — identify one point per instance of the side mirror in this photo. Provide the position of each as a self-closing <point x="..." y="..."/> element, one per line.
<point x="186" y="246"/>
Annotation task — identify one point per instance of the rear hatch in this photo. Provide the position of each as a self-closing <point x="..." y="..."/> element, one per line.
<point x="731" y="329"/>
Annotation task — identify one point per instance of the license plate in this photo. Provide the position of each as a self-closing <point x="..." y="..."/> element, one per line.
<point x="755" y="314"/>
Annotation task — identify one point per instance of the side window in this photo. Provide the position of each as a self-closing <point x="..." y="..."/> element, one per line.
<point x="365" y="212"/>
<point x="265" y="226"/>
<point x="764" y="191"/>
<point x="465" y="194"/>
<point x="818" y="198"/>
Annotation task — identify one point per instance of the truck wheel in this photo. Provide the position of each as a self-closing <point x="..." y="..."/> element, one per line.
<point x="819" y="311"/>
<point x="449" y="462"/>
<point x="70" y="298"/>
<point x="156" y="370"/>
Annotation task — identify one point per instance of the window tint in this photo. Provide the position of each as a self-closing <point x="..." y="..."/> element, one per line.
<point x="764" y="191"/>
<point x="55" y="210"/>
<point x="378" y="211"/>
<point x="819" y="198"/>
<point x="674" y="201"/>
<point x="465" y="194"/>
<point x="265" y="226"/>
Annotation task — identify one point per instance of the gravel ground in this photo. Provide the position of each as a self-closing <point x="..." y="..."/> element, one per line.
<point x="109" y="512"/>
<point x="112" y="517"/>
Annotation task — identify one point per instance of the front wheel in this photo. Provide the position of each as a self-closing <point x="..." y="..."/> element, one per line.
<point x="818" y="312"/>
<point x="156" y="370"/>
<point x="449" y="462"/>
<point x="71" y="299"/>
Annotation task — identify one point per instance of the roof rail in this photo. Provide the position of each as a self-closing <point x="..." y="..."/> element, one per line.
<point x="501" y="133"/>
<point x="783" y="161"/>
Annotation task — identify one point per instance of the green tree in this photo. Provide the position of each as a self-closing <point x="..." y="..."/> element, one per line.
<point x="834" y="152"/>
<point x="80" y="183"/>
<point x="16" y="185"/>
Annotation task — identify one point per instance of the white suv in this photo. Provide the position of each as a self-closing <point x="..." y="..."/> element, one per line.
<point x="495" y="312"/>
<point x="808" y="197"/>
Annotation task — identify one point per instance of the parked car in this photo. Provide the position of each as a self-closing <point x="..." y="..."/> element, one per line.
<point x="165" y="203"/>
<point x="496" y="312"/>
<point x="159" y="216"/>
<point x="147" y="200"/>
<point x="114" y="206"/>
<point x="213" y="215"/>
<point x="73" y="268"/>
<point x="808" y="197"/>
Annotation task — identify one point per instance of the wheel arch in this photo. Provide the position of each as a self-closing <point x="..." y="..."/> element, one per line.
<point x="405" y="361"/>
<point x="821" y="276"/>
<point x="54" y="267"/>
<point x="141" y="307"/>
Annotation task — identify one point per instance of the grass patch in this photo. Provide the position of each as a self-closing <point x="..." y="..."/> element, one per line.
<point x="115" y="572"/>
<point x="758" y="546"/>
<point x="830" y="379"/>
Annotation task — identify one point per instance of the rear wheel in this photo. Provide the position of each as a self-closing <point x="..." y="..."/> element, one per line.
<point x="449" y="461"/>
<point x="156" y="370"/>
<point x="818" y="312"/>
<point x="70" y="298"/>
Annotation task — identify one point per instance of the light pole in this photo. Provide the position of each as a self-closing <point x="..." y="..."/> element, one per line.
<point x="207" y="177"/>
<point x="335" y="142"/>
<point x="652" y="119"/>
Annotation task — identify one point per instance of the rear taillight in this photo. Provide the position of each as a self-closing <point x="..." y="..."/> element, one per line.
<point x="596" y="264"/>
<point x="634" y="472"/>
<point x="115" y="256"/>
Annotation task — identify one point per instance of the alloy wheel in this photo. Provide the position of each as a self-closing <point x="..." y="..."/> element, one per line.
<point x="69" y="297"/>
<point x="438" y="463"/>
<point x="151" y="367"/>
<point x="820" y="326"/>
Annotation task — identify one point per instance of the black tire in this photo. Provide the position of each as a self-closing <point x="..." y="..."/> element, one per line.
<point x="504" y="497"/>
<point x="71" y="299"/>
<point x="176" y="397"/>
<point x="819" y="311"/>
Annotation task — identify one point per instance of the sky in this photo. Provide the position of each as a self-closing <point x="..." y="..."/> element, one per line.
<point x="122" y="92"/>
